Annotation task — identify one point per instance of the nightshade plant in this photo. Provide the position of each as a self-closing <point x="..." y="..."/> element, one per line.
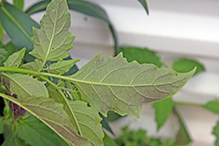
<point x="47" y="108"/>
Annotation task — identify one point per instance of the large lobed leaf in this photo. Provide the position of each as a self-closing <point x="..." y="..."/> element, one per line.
<point x="52" y="114"/>
<point x="53" y="41"/>
<point x="123" y="87"/>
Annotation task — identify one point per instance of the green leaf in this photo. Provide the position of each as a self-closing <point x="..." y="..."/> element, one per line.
<point x="1" y="125"/>
<point x="18" y="26"/>
<point x="140" y="55"/>
<point x="185" y="65"/>
<point x="19" y="4"/>
<point x="108" y="141"/>
<point x="182" y="137"/>
<point x="62" y="66"/>
<point x="216" y="133"/>
<point x="123" y="87"/>
<point x="90" y="128"/>
<point x="10" y="137"/>
<point x="212" y="106"/>
<point x="78" y="111"/>
<point x="35" y="65"/>
<point x="52" y="114"/>
<point x="84" y="7"/>
<point x="163" y="109"/>
<point x="105" y="124"/>
<point x="144" y="4"/>
<point x="2" y="55"/>
<point x="34" y="132"/>
<point x="10" y="48"/>
<point x="53" y="41"/>
<point x="40" y="6"/>
<point x="15" y="59"/>
<point x="25" y="86"/>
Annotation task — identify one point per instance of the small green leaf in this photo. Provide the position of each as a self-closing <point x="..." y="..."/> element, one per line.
<point x="34" y="132"/>
<point x="90" y="128"/>
<point x="212" y="106"/>
<point x="108" y="141"/>
<point x="123" y="87"/>
<point x="62" y="66"/>
<point x="25" y="86"/>
<point x="182" y="137"/>
<point x="140" y="55"/>
<point x="52" y="114"/>
<point x="216" y="133"/>
<point x="19" y="4"/>
<point x="144" y="4"/>
<point x="105" y="124"/>
<point x="163" y="109"/>
<point x="15" y="59"/>
<point x="18" y="26"/>
<point x="2" y="55"/>
<point x="185" y="65"/>
<point x="37" y="7"/>
<point x="35" y="65"/>
<point x="11" y="138"/>
<point x="53" y="41"/>
<point x="10" y="48"/>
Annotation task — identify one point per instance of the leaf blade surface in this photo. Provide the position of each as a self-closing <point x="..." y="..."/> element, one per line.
<point x="123" y="87"/>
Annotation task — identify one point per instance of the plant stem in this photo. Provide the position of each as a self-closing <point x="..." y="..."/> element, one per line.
<point x="187" y="103"/>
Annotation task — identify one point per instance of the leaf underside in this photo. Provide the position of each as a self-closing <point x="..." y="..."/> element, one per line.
<point x="53" y="40"/>
<point x="123" y="87"/>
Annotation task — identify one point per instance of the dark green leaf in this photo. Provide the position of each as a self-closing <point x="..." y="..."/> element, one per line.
<point x="19" y="3"/>
<point x="182" y="137"/>
<point x="108" y="141"/>
<point x="140" y="55"/>
<point x="112" y="116"/>
<point x="144" y="4"/>
<point x="212" y="106"/>
<point x="10" y="48"/>
<point x="3" y="54"/>
<point x="105" y="124"/>
<point x="40" y="6"/>
<point x="36" y="133"/>
<point x="1" y="125"/>
<point x="1" y="35"/>
<point x="185" y="65"/>
<point x="18" y="26"/>
<point x="163" y="109"/>
<point x="216" y="133"/>
<point x="11" y="138"/>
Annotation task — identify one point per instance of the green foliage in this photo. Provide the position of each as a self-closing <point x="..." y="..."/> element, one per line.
<point x="140" y="55"/>
<point x="216" y="133"/>
<point x="163" y="109"/>
<point x="10" y="49"/>
<point x="19" y="4"/>
<point x="144" y="4"/>
<point x="2" y="55"/>
<point x="18" y="26"/>
<point x="212" y="106"/>
<point x="66" y="108"/>
<point x="112" y="84"/>
<point x="108" y="141"/>
<point x="1" y="125"/>
<point x="185" y="65"/>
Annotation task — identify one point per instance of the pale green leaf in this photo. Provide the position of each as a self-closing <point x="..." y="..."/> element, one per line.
<point x="52" y="114"/>
<point x="15" y="59"/>
<point x="36" y="65"/>
<point x="216" y="133"/>
<point x="62" y="66"/>
<point x="2" y="54"/>
<point x="185" y="65"/>
<point x="25" y="86"/>
<point x="163" y="109"/>
<point x="89" y="122"/>
<point x="140" y="55"/>
<point x="10" y="48"/>
<point x="123" y="87"/>
<point x="1" y="35"/>
<point x="84" y="119"/>
<point x="212" y="106"/>
<point x="53" y="41"/>
<point x="36" y="133"/>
